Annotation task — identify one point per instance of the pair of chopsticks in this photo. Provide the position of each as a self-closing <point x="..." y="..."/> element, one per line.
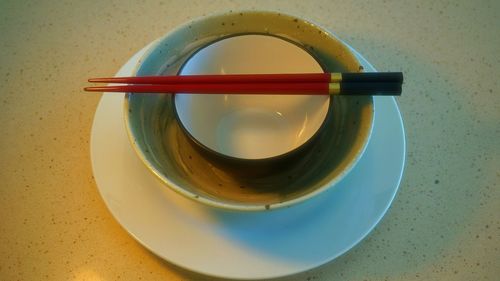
<point x="366" y="83"/>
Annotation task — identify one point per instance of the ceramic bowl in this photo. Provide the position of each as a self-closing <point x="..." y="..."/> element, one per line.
<point x="171" y="155"/>
<point x="252" y="128"/>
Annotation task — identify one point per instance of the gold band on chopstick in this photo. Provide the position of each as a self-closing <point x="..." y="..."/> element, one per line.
<point x="335" y="77"/>
<point x="334" y="88"/>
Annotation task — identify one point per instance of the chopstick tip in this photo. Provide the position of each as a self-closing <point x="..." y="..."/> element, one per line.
<point x="92" y="89"/>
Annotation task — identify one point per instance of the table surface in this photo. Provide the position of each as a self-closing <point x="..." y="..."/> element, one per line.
<point x="443" y="225"/>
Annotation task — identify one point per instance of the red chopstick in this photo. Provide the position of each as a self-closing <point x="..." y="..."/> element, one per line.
<point x="375" y="83"/>
<point x="260" y="88"/>
<point x="362" y="77"/>
<point x="240" y="88"/>
<point x="226" y="78"/>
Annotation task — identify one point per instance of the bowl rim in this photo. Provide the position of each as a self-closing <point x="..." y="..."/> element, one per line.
<point x="275" y="157"/>
<point x="240" y="206"/>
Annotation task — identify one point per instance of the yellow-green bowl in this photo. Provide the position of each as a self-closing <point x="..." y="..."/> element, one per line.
<point x="168" y="152"/>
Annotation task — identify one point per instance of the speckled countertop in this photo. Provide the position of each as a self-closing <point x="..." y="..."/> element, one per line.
<point x="443" y="225"/>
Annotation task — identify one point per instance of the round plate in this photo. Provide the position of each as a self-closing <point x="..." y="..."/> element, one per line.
<point x="246" y="245"/>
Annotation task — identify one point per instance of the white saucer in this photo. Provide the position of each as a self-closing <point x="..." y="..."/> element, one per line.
<point x="246" y="246"/>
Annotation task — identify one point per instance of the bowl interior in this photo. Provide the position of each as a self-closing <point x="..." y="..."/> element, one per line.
<point x="251" y="126"/>
<point x="160" y="142"/>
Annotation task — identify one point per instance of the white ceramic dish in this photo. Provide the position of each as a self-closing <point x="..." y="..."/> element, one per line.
<point x="246" y="245"/>
<point x="249" y="126"/>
